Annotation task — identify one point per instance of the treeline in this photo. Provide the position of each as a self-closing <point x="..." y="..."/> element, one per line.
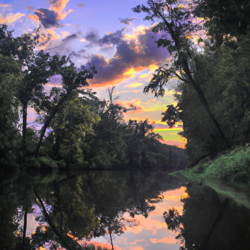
<point x="77" y="129"/>
<point x="213" y="80"/>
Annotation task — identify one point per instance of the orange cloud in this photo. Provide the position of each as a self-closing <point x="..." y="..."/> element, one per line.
<point x="51" y="35"/>
<point x="64" y="33"/>
<point x="131" y="104"/>
<point x="58" y="7"/>
<point x="5" y="5"/>
<point x="102" y="245"/>
<point x="10" y="17"/>
<point x="136" y="248"/>
<point x="166" y="240"/>
<point x="126" y="74"/>
<point x="34" y="17"/>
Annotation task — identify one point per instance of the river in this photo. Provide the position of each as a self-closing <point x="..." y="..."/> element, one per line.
<point x="121" y="210"/>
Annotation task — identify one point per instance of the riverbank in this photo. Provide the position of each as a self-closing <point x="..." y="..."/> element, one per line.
<point x="227" y="174"/>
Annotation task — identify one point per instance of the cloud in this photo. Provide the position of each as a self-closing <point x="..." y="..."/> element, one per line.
<point x="10" y="17"/>
<point x="127" y="21"/>
<point x="107" y="41"/>
<point x="135" y="248"/>
<point x="121" y="92"/>
<point x="102" y="245"/>
<point x="166" y="240"/>
<point x="128" y="56"/>
<point x="81" y="5"/>
<point x="134" y="85"/>
<point x="2" y="5"/>
<point x="64" y="33"/>
<point x="65" y="46"/>
<point x="50" y="17"/>
<point x="134" y="105"/>
<point x="69" y="38"/>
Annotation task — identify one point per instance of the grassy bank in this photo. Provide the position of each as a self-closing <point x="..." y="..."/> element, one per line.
<point x="228" y="174"/>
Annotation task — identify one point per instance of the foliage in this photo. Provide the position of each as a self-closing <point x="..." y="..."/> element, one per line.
<point x="231" y="168"/>
<point x="10" y="73"/>
<point x="222" y="18"/>
<point x="228" y="99"/>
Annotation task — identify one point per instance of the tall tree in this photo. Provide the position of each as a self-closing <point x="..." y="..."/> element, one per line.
<point x="72" y="79"/>
<point x="10" y="73"/>
<point x="175" y="25"/>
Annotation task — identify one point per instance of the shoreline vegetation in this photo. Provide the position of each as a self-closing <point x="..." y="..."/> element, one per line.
<point x="228" y="174"/>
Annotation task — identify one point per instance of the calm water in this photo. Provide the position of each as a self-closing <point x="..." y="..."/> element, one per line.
<point x="117" y="209"/>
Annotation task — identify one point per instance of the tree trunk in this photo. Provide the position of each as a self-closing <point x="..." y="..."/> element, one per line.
<point x="204" y="101"/>
<point x="24" y="125"/>
<point x="51" y="224"/>
<point x="48" y="120"/>
<point x="201" y="96"/>
<point x="111" y="241"/>
<point x="24" y="228"/>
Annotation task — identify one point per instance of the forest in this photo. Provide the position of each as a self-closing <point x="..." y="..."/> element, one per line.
<point x="208" y="43"/>
<point x="78" y="130"/>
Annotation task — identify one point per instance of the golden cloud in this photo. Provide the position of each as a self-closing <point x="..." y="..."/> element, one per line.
<point x="143" y="75"/>
<point x="5" y="5"/>
<point x="64" y="33"/>
<point x="10" y="17"/>
<point x="166" y="240"/>
<point x="34" y="17"/>
<point x="134" y="85"/>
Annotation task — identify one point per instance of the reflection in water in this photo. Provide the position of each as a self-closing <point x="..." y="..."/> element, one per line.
<point x="106" y="208"/>
<point x="210" y="222"/>
<point x="117" y="210"/>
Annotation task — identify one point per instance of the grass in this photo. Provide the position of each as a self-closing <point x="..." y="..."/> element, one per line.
<point x="228" y="174"/>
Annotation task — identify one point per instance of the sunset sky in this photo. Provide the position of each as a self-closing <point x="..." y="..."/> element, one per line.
<point x="109" y="35"/>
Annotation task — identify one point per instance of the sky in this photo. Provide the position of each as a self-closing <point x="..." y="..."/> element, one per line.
<point x="109" y="35"/>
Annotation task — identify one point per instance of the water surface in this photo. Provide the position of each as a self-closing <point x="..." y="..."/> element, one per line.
<point x="117" y="210"/>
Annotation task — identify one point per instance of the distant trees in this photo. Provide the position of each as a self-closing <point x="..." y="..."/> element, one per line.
<point x="77" y="129"/>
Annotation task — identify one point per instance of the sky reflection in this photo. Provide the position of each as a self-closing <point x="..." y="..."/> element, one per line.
<point x="152" y="232"/>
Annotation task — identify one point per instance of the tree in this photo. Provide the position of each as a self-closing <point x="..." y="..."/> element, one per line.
<point x="223" y="18"/>
<point x="36" y="71"/>
<point x="72" y="79"/>
<point x="170" y="115"/>
<point x="69" y="128"/>
<point x="227" y="87"/>
<point x="175" y="24"/>
<point x="9" y="134"/>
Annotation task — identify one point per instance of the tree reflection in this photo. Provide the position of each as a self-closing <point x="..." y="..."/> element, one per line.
<point x="76" y="207"/>
<point x="209" y="221"/>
